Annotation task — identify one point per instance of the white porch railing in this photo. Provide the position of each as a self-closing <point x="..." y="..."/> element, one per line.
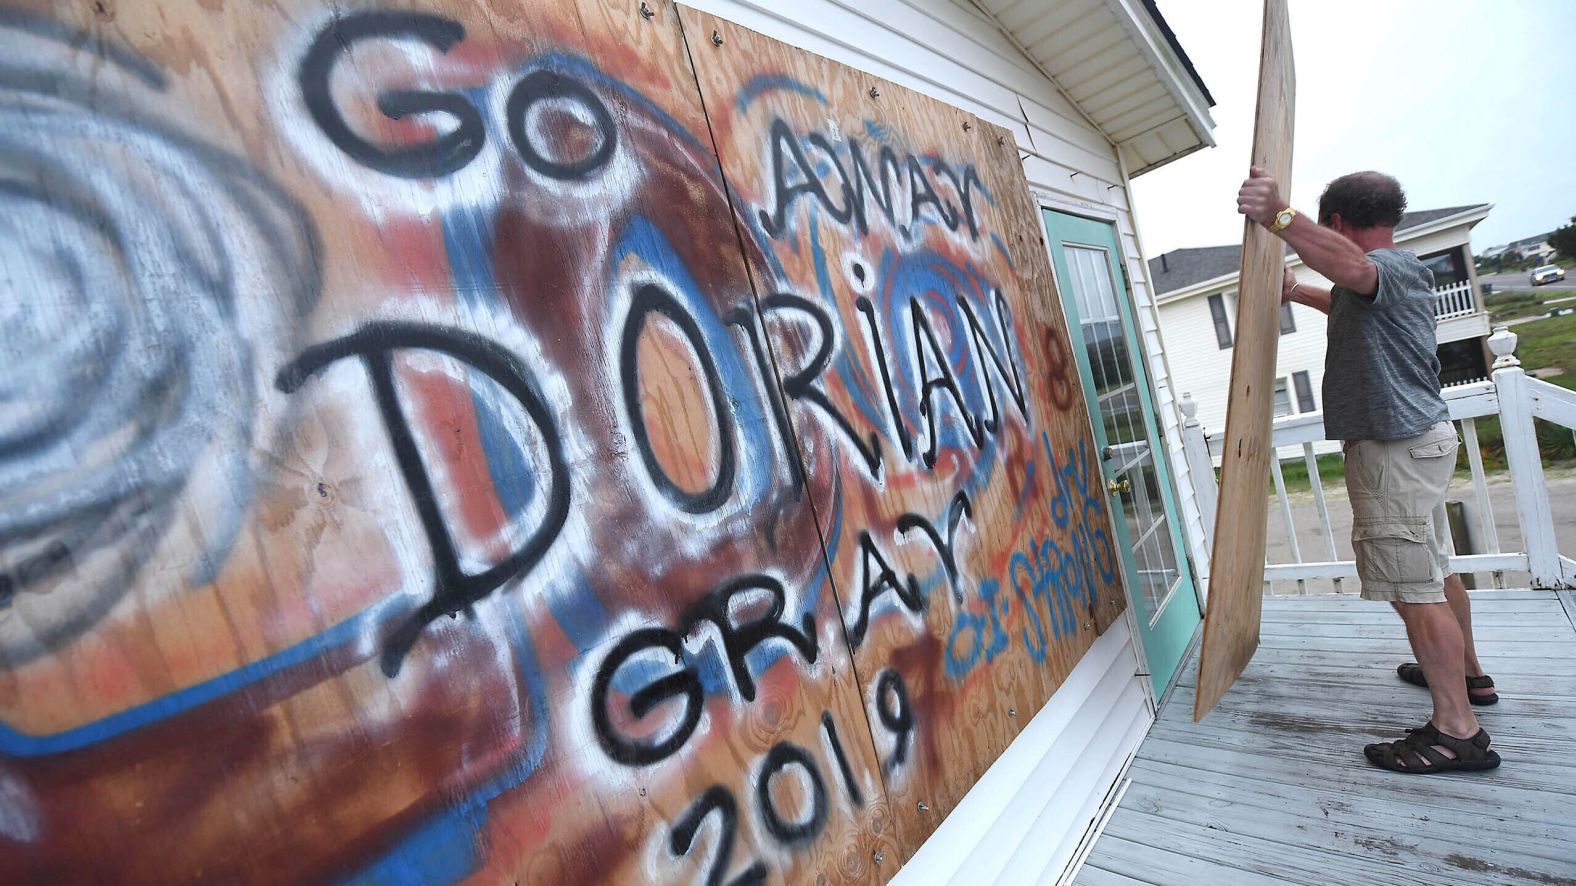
<point x="1512" y="395"/>
<point x="1455" y="300"/>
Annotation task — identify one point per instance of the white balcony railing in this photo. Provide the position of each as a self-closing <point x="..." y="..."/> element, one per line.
<point x="1511" y="395"/>
<point x="1455" y="300"/>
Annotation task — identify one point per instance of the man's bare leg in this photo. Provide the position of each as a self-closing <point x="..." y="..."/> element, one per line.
<point x="1437" y="641"/>
<point x="1461" y="607"/>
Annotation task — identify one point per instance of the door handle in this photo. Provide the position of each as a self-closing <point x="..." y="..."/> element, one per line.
<point x="1116" y="487"/>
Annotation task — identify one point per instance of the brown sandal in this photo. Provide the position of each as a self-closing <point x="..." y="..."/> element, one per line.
<point x="1412" y="672"/>
<point x="1417" y="755"/>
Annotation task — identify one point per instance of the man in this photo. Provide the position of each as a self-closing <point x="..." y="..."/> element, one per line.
<point x="1382" y="400"/>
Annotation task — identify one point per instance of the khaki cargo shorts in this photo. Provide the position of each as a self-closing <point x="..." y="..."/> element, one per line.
<point x="1399" y="530"/>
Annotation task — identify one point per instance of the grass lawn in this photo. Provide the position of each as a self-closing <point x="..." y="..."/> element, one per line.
<point x="1549" y="342"/>
<point x="1541" y="344"/>
<point x="1514" y="304"/>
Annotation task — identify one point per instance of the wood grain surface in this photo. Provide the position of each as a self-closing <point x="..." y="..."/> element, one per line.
<point x="933" y="431"/>
<point x="1231" y="618"/>
<point x="424" y="460"/>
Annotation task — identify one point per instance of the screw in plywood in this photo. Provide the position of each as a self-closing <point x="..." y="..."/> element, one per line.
<point x="874" y="92"/>
<point x="646" y="11"/>
<point x="716" y="39"/>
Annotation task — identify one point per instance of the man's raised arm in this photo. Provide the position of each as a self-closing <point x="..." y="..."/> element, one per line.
<point x="1304" y="294"/>
<point x="1340" y="260"/>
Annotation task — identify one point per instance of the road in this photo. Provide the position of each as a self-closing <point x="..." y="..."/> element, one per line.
<point x="1305" y="515"/>
<point x="1502" y="282"/>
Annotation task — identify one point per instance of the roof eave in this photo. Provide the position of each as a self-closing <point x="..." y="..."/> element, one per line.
<point x="1173" y="72"/>
<point x="1173" y="123"/>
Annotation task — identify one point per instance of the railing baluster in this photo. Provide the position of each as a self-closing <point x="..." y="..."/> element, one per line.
<point x="1285" y="503"/>
<point x="1486" y="527"/>
<point x="1524" y="462"/>
<point x="1455" y="300"/>
<point x="1324" y="512"/>
<point x="1515" y="399"/>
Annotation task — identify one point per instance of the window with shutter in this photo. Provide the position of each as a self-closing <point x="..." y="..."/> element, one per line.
<point x="1217" y="311"/>
<point x="1304" y="391"/>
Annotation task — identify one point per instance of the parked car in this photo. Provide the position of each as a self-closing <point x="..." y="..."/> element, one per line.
<point x="1547" y="274"/>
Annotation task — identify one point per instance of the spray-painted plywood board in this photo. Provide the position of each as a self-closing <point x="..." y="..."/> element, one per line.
<point x="1231" y="619"/>
<point x="907" y="301"/>
<point x="392" y="493"/>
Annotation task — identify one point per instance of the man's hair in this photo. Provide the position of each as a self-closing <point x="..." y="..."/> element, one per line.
<point x="1363" y="200"/>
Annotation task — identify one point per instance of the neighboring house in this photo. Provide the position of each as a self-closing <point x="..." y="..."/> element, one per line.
<point x="1533" y="249"/>
<point x="1198" y="305"/>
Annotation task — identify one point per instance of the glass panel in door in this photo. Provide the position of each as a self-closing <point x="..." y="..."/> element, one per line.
<point x="1084" y="254"/>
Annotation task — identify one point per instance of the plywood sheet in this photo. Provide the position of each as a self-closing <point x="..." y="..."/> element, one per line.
<point x="389" y="495"/>
<point x="905" y="297"/>
<point x="1231" y="619"/>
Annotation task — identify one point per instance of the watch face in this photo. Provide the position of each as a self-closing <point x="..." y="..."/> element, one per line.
<point x="1284" y="218"/>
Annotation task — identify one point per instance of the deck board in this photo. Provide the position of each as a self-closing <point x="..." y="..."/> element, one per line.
<point x="1273" y="787"/>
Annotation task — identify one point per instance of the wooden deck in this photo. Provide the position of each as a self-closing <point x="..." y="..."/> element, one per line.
<point x="1273" y="788"/>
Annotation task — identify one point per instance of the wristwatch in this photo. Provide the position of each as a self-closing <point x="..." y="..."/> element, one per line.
<point x="1282" y="219"/>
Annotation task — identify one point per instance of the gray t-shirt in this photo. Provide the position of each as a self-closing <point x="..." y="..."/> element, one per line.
<point x="1381" y="373"/>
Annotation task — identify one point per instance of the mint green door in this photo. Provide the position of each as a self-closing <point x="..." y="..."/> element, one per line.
<point x="1116" y="385"/>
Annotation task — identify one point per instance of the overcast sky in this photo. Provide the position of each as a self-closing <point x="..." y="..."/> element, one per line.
<point x="1464" y="102"/>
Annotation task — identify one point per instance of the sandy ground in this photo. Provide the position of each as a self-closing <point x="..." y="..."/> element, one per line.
<point x="1310" y="536"/>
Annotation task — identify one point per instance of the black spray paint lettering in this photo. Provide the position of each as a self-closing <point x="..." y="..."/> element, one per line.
<point x="946" y="545"/>
<point x="874" y="582"/>
<point x="716" y="799"/>
<point x="739" y="639"/>
<point x="540" y="86"/>
<point x="880" y="189"/>
<point x="850" y="784"/>
<point x="744" y="317"/>
<point x="802" y="385"/>
<point x="964" y="184"/>
<point x="905" y="439"/>
<point x="896" y="714"/>
<point x="444" y="154"/>
<point x="682" y="683"/>
<point x="922" y="193"/>
<point x="944" y="381"/>
<point x="454" y="589"/>
<point x="450" y="151"/>
<point x="786" y="830"/>
<point x="785" y="150"/>
<point x="1005" y="365"/>
<point x="794" y="176"/>
<point x="651" y="298"/>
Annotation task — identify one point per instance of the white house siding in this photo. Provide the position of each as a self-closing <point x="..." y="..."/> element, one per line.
<point x="1086" y="732"/>
<point x="1167" y="391"/>
<point x="1203" y="369"/>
